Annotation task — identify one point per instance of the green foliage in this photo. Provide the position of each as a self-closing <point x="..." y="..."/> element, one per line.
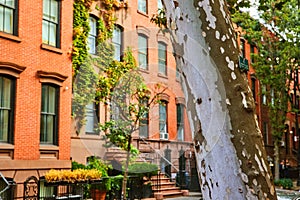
<point x="143" y="169"/>
<point x="285" y="183"/>
<point x="160" y="19"/>
<point x="76" y="165"/>
<point x="80" y="33"/>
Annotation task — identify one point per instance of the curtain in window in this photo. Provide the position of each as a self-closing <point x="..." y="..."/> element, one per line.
<point x="48" y="114"/>
<point x="90" y="118"/>
<point x="5" y="107"/>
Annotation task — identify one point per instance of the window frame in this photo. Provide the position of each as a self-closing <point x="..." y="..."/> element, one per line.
<point x="162" y="62"/>
<point x="146" y="6"/>
<point x="10" y="127"/>
<point x="95" y="117"/>
<point x="181" y="122"/>
<point x="57" y="25"/>
<point x="164" y="122"/>
<point x="120" y="44"/>
<point x="15" y="15"/>
<point x="144" y="53"/>
<point x="56" y="114"/>
<point x="243" y="48"/>
<point x="94" y="36"/>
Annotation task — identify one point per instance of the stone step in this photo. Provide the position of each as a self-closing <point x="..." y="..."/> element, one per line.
<point x="167" y="190"/>
<point x="164" y="185"/>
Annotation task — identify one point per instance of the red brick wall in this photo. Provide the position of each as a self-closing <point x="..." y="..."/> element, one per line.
<point x="28" y="53"/>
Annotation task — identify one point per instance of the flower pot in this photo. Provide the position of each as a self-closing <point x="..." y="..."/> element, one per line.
<point x="98" y="194"/>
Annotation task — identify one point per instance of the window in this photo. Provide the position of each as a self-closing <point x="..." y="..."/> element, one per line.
<point x="142" y="6"/>
<point x="265" y="132"/>
<point x="8" y="16"/>
<point x="159" y="5"/>
<point x="264" y="95"/>
<point x="144" y="123"/>
<point x="163" y="129"/>
<point x="272" y="97"/>
<point x="253" y="89"/>
<point x="51" y="29"/>
<point x="242" y="47"/>
<point x="143" y="51"/>
<point x="49" y="117"/>
<point x="92" y="35"/>
<point x="162" y="58"/>
<point x="117" y="42"/>
<point x="7" y="98"/>
<point x="252" y="53"/>
<point x="92" y="118"/>
<point x="180" y="122"/>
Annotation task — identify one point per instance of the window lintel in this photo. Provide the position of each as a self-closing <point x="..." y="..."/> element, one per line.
<point x="51" y="77"/>
<point x="143" y="30"/>
<point x="11" y="69"/>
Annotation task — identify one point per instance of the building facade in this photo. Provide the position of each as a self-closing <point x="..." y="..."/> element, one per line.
<point x="35" y="89"/>
<point x="164" y="132"/>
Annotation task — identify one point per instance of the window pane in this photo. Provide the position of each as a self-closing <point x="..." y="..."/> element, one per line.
<point x="51" y="97"/>
<point x="1" y="16"/>
<point x="44" y="98"/>
<point x="50" y="129"/>
<point x="6" y="93"/>
<point x="142" y="6"/>
<point x="46" y="9"/>
<point x="90" y="117"/>
<point x="10" y="3"/>
<point x="142" y="43"/>
<point x="117" y="35"/>
<point x="52" y="34"/>
<point x="54" y="11"/>
<point x="8" y="20"/>
<point x="143" y="61"/>
<point x="4" y="123"/>
<point x="93" y="26"/>
<point x="43" y="128"/>
<point x="45" y="32"/>
<point x="92" y="44"/>
<point x="159" y="4"/>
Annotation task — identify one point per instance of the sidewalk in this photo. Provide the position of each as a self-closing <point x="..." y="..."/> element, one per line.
<point x="192" y="196"/>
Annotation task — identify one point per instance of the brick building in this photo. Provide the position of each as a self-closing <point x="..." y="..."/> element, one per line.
<point x="165" y="131"/>
<point x="35" y="89"/>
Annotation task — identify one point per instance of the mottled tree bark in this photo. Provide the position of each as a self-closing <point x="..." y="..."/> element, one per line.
<point x="230" y="155"/>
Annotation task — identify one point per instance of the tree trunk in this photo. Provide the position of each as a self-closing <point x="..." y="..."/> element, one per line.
<point x="276" y="160"/>
<point x="231" y="159"/>
<point x="124" y="183"/>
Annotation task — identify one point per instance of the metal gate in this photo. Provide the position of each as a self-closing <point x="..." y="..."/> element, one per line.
<point x="31" y="188"/>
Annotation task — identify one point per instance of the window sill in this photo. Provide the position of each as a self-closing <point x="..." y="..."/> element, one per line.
<point x="162" y="75"/>
<point x="49" y="147"/>
<point x="6" y="146"/>
<point x="51" y="48"/>
<point x="144" y="70"/>
<point x="10" y="37"/>
<point x="142" y="13"/>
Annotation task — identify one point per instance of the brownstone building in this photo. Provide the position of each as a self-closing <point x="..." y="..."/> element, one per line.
<point x="35" y="89"/>
<point x="165" y="131"/>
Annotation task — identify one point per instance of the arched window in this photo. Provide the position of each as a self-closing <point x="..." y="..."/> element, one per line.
<point x="163" y="120"/>
<point x="143" y="51"/>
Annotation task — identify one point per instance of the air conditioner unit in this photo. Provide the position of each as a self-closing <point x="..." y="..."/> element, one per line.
<point x="164" y="136"/>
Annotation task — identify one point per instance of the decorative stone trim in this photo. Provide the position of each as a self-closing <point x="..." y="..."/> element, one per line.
<point x="11" y="69"/>
<point x="164" y="97"/>
<point x="162" y="38"/>
<point x="143" y="30"/>
<point x="180" y="100"/>
<point x="51" y="77"/>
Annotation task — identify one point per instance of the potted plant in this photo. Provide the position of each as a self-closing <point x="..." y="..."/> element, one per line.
<point x="98" y="191"/>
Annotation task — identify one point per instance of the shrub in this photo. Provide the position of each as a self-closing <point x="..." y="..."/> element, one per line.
<point x="143" y="169"/>
<point x="286" y="183"/>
